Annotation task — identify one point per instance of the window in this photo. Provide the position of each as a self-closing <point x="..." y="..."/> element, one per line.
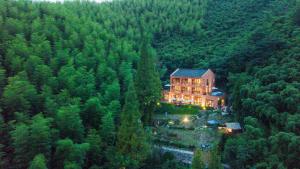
<point x="175" y="80"/>
<point x="197" y="89"/>
<point x="197" y="81"/>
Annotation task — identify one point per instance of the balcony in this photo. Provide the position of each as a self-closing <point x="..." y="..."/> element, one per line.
<point x="176" y="91"/>
<point x="186" y="84"/>
<point x="176" y="83"/>
<point x="196" y="93"/>
<point x="185" y="92"/>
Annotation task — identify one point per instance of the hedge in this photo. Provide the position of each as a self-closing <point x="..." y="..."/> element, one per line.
<point x="177" y="109"/>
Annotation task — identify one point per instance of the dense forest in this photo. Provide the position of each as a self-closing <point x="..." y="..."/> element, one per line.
<point x="79" y="81"/>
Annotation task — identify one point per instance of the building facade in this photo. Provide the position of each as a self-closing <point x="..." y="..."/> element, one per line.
<point x="193" y="86"/>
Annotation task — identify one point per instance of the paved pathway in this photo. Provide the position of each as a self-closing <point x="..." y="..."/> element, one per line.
<point x="184" y="156"/>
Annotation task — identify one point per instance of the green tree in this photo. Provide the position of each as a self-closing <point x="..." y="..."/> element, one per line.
<point x="2" y="154"/>
<point x="40" y="136"/>
<point x="92" y="112"/>
<point x="108" y="129"/>
<point x="147" y="83"/>
<point x="197" y="162"/>
<point x="41" y="47"/>
<point x="297" y="14"/>
<point x="21" y="144"/>
<point x="42" y="75"/>
<point x="39" y="162"/>
<point x="115" y="108"/>
<point x="2" y="80"/>
<point x="31" y="139"/>
<point x="19" y="95"/>
<point x="69" y="123"/>
<point x="112" y="92"/>
<point x="18" y="50"/>
<point x="84" y="83"/>
<point x="31" y="64"/>
<point x="286" y="147"/>
<point x="131" y="138"/>
<point x="2" y="135"/>
<point x="215" y="159"/>
<point x="95" y="153"/>
<point x="69" y="154"/>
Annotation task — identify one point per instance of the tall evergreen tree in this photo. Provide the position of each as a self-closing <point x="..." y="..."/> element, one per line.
<point x="69" y="154"/>
<point x="131" y="139"/>
<point x="19" y="95"/>
<point x="31" y="139"/>
<point x="2" y="80"/>
<point x="108" y="129"/>
<point x="92" y="112"/>
<point x="147" y="83"/>
<point x="215" y="159"/>
<point x="2" y="153"/>
<point x="40" y="136"/>
<point x="2" y="163"/>
<point x="197" y="162"/>
<point x="39" y="162"/>
<point x="94" y="154"/>
<point x="21" y="145"/>
<point x="69" y="123"/>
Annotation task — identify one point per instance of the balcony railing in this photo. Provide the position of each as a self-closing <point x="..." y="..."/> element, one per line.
<point x="186" y="84"/>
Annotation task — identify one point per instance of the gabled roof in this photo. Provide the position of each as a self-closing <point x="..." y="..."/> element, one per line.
<point x="234" y="126"/>
<point x="188" y="72"/>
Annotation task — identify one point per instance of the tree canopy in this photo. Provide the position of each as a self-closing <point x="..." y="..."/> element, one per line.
<point x="79" y="76"/>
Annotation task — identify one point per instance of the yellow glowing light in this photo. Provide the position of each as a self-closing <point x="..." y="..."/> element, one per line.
<point x="158" y="103"/>
<point x="203" y="107"/>
<point x="186" y="120"/>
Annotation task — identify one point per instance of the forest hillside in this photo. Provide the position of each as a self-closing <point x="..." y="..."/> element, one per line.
<point x="72" y="76"/>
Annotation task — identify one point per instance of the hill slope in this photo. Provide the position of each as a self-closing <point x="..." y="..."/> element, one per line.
<point x="70" y="64"/>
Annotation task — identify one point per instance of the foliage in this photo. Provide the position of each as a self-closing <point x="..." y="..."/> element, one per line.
<point x="69" y="123"/>
<point x="19" y="95"/>
<point x="38" y="162"/>
<point x="31" y="139"/>
<point x="69" y="154"/>
<point x="95" y="152"/>
<point x="132" y="141"/>
<point x="108" y="129"/>
<point x="173" y="109"/>
<point x="215" y="159"/>
<point x="197" y="162"/>
<point x="65" y="69"/>
<point x="148" y="84"/>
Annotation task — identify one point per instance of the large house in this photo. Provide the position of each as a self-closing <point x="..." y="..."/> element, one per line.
<point x="194" y="86"/>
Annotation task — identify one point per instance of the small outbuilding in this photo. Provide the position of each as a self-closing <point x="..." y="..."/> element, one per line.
<point x="233" y="127"/>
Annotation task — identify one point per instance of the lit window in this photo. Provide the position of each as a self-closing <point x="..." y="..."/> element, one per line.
<point x="177" y="87"/>
<point x="198" y="81"/>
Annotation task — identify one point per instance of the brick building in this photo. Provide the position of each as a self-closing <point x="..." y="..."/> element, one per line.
<point x="193" y="86"/>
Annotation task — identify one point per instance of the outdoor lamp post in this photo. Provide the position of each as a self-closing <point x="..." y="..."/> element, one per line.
<point x="186" y="120"/>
